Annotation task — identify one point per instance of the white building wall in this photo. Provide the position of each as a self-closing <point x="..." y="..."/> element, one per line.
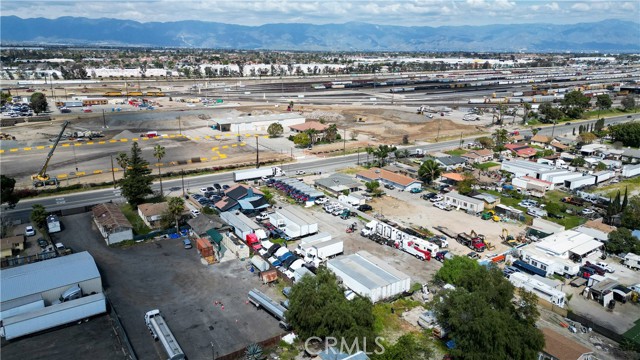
<point x="120" y="236"/>
<point x="580" y="182"/>
<point x="630" y="170"/>
<point x="560" y="178"/>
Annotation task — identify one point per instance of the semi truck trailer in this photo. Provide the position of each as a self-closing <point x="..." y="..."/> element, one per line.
<point x="160" y="331"/>
<point x="251" y="174"/>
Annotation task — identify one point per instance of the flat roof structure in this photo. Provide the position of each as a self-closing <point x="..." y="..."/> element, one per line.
<point x="45" y="275"/>
<point x="259" y="118"/>
<point x="458" y="196"/>
<point x="560" y="244"/>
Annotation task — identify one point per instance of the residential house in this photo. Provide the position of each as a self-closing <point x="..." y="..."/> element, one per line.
<point x="453" y="178"/>
<point x="560" y="347"/>
<point x="558" y="146"/>
<point x="478" y="156"/>
<point x="11" y="244"/>
<point x="202" y="223"/>
<point x="630" y="155"/>
<point x="151" y="214"/>
<point x="112" y="223"/>
<point x="385" y="177"/>
<point x="335" y="354"/>
<point x="522" y="150"/>
<point x="450" y="163"/>
<point x="540" y="140"/>
<point x="310" y="125"/>
<point x="337" y="183"/>
<point x="244" y="198"/>
<point x="490" y="201"/>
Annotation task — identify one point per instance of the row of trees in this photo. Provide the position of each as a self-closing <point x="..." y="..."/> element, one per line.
<point x="626" y="133"/>
<point x="625" y="213"/>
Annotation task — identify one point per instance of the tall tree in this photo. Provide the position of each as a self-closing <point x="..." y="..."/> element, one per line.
<point x="39" y="216"/>
<point x="501" y="136"/>
<point x="39" y="102"/>
<point x="373" y="187"/>
<point x="7" y="195"/>
<point x="275" y="130"/>
<point x="429" y="171"/>
<point x="625" y="200"/>
<point x="159" y="152"/>
<point x="136" y="183"/>
<point x="175" y="208"/>
<point x="626" y="133"/>
<point x="331" y="134"/>
<point x="123" y="161"/>
<point x="382" y="152"/>
<point x="603" y="102"/>
<point x="631" y="214"/>
<point x="574" y="104"/>
<point x="486" y="142"/>
<point x="302" y="140"/>
<point x="628" y="102"/>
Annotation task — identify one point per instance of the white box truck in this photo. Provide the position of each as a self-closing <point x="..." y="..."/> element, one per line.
<point x="53" y="224"/>
<point x="320" y="252"/>
<point x="160" y="331"/>
<point x="632" y="261"/>
<point x="251" y="174"/>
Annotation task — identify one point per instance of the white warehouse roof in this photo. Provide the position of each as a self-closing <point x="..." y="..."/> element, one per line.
<point x="260" y="118"/>
<point x="45" y="275"/>
<point x="368" y="270"/>
<point x="560" y="243"/>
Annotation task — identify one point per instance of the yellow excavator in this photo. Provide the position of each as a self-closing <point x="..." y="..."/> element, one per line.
<point x="42" y="178"/>
<point x="509" y="240"/>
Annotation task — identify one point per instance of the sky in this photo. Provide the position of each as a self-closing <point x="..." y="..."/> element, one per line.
<point x="387" y="12"/>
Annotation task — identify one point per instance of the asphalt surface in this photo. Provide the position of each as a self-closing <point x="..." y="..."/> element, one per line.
<point x="163" y="275"/>
<point x="68" y="201"/>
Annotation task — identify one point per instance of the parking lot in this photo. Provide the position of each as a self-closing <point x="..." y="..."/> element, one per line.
<point x="162" y="274"/>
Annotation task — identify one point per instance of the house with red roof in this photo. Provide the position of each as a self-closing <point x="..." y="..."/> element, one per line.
<point x="385" y="177"/>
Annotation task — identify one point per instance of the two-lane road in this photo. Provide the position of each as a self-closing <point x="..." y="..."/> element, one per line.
<point x="86" y="198"/>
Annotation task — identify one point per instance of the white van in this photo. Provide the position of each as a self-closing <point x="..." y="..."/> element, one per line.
<point x="536" y="212"/>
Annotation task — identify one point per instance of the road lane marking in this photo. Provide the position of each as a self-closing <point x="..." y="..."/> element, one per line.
<point x="225" y="146"/>
<point x="77" y="144"/>
<point x="113" y="141"/>
<point x="90" y="143"/>
<point x="13" y="150"/>
<point x="102" y="142"/>
<point x="40" y="147"/>
<point x="1" y="151"/>
<point x="65" y="145"/>
<point x="26" y="149"/>
<point x="97" y="171"/>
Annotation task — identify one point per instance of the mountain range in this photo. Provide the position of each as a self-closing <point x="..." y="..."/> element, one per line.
<point x="603" y="36"/>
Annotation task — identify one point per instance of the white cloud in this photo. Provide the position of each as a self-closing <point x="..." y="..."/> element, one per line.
<point x="553" y="6"/>
<point x="581" y="7"/>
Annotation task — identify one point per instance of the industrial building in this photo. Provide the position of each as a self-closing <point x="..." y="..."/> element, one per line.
<point x="31" y="294"/>
<point x="462" y="202"/>
<point x="558" y="177"/>
<point x="369" y="276"/>
<point x="579" y="182"/>
<point x="242" y="225"/>
<point x="293" y="222"/>
<point x="337" y="183"/>
<point x="258" y="123"/>
<point x="524" y="168"/>
<point x="536" y="187"/>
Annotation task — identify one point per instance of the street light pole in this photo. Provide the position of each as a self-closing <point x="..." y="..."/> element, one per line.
<point x="113" y="174"/>
<point x="182" y="176"/>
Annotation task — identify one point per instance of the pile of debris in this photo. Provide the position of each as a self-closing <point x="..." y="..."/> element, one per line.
<point x="326" y="115"/>
<point x="5" y="136"/>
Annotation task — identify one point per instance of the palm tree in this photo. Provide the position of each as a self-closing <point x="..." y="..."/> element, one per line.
<point x="429" y="171"/>
<point x="312" y="135"/>
<point x="123" y="161"/>
<point x="382" y="152"/>
<point x="176" y="208"/>
<point x="501" y="136"/>
<point x="158" y="153"/>
<point x="331" y="133"/>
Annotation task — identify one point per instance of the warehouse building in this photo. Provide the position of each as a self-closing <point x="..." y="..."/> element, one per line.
<point x="462" y="202"/>
<point x="369" y="276"/>
<point x="30" y="294"/>
<point x="258" y="123"/>
<point x="242" y="225"/>
<point x="293" y="222"/>
<point x="524" y="168"/>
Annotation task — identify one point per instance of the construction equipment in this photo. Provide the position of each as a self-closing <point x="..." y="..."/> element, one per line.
<point x="490" y="214"/>
<point x="42" y="178"/>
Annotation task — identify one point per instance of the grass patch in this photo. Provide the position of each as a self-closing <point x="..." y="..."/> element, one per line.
<point x="456" y="152"/>
<point x="595" y="114"/>
<point x="632" y="184"/>
<point x="352" y="170"/>
<point x="388" y="316"/>
<point x="486" y="166"/>
<point x="633" y="334"/>
<point x="278" y="241"/>
<point x="139" y="227"/>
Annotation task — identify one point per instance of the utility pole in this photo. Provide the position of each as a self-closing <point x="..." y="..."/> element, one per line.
<point x="113" y="173"/>
<point x="179" y="123"/>
<point x="461" y="141"/>
<point x="104" y="121"/>
<point x="439" y="124"/>
<point x="553" y="129"/>
<point x="257" y="153"/>
<point x="344" y="143"/>
<point x="182" y="176"/>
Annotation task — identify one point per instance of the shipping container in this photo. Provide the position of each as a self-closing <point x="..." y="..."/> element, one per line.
<point x="204" y="247"/>
<point x="259" y="263"/>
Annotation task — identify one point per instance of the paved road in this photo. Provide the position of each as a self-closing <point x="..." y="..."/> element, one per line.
<point x="60" y="202"/>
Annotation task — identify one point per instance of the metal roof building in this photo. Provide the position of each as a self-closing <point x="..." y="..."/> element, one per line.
<point x="47" y="280"/>
<point x="242" y="225"/>
<point x="259" y="122"/>
<point x="369" y="276"/>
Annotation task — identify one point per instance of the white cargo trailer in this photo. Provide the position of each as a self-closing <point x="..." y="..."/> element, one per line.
<point x="577" y="183"/>
<point x="630" y="170"/>
<point x="320" y="252"/>
<point x="251" y="174"/>
<point x="54" y="315"/>
<point x="259" y="263"/>
<point x="321" y="236"/>
<point x="602" y="176"/>
<point x="294" y="223"/>
<point x="160" y="331"/>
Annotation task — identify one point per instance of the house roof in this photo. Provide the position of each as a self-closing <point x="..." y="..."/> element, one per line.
<point x="599" y="225"/>
<point x="239" y="191"/>
<point x="515" y="147"/>
<point x="558" y="145"/>
<point x="534" y="180"/>
<point x="309" y="125"/>
<point x="450" y="160"/>
<point x="629" y="152"/>
<point x="339" y="182"/>
<point x="541" y="138"/>
<point x="110" y="217"/>
<point x="561" y="347"/>
<point x="471" y="155"/>
<point x="453" y="176"/>
<point x="225" y="204"/>
<point x="204" y="222"/>
<point x="526" y="152"/>
<point x="7" y="243"/>
<point x="149" y="209"/>
<point x="483" y="152"/>
<point x="377" y="173"/>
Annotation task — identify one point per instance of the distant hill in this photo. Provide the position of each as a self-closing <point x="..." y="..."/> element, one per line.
<point x="603" y="36"/>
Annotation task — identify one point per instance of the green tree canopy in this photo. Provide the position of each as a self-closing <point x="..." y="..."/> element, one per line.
<point x="302" y="140"/>
<point x="38" y="102"/>
<point x="7" y="195"/>
<point x="429" y="171"/>
<point x="481" y="307"/>
<point x="159" y="152"/>
<point x="318" y="307"/>
<point x="603" y="102"/>
<point x="381" y="153"/>
<point x="175" y="208"/>
<point x="466" y="185"/>
<point x="373" y="187"/>
<point x="621" y="241"/>
<point x="631" y="213"/>
<point x="275" y="130"/>
<point x="136" y="183"/>
<point x="486" y="142"/>
<point x="39" y="216"/>
<point x="408" y="347"/>
<point x="629" y="102"/>
<point x="627" y="133"/>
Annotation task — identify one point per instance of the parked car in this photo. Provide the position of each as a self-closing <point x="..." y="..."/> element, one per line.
<point x="186" y="243"/>
<point x="203" y="190"/>
<point x="587" y="211"/>
<point x="442" y="206"/>
<point x="436" y="198"/>
<point x="217" y="187"/>
<point x="300" y="172"/>
<point x="606" y="267"/>
<point x="415" y="190"/>
<point x="321" y="200"/>
<point x="473" y="255"/>
<point x="428" y="196"/>
<point x="262" y="216"/>
<point x="365" y="207"/>
<point x="29" y="231"/>
<point x="195" y="212"/>
<point x="225" y="187"/>
<point x="43" y="243"/>
<point x="389" y="186"/>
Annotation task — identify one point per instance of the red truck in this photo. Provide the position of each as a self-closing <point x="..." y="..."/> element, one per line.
<point x="254" y="242"/>
<point x="473" y="243"/>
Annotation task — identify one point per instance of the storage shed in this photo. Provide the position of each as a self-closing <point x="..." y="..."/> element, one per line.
<point x="242" y="225"/>
<point x="112" y="224"/>
<point x="462" y="202"/>
<point x="369" y="276"/>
